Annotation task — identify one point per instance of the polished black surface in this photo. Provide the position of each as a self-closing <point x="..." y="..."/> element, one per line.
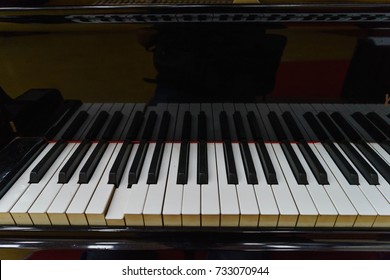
<point x="209" y="53"/>
<point x="15" y="158"/>
<point x="155" y="238"/>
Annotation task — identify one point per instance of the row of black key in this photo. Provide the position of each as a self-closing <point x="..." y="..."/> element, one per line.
<point x="119" y="165"/>
<point x="332" y="123"/>
<point x="117" y="170"/>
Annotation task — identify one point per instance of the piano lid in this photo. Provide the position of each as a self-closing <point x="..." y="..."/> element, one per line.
<point x="197" y="51"/>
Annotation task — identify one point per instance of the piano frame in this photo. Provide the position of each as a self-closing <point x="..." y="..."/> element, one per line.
<point x="362" y="13"/>
<point x="157" y="238"/>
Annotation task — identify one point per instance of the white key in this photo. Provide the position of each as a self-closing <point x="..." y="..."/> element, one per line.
<point x="230" y="210"/>
<point x="347" y="214"/>
<point x="173" y="193"/>
<point x="268" y="209"/>
<point x="191" y="192"/>
<point x="38" y="210"/>
<point x="249" y="210"/>
<point x="327" y="213"/>
<point x="384" y="188"/>
<point x="152" y="212"/>
<point x="17" y="190"/>
<point x="307" y="210"/>
<point x="98" y="205"/>
<point x="116" y="212"/>
<point x="366" y="214"/>
<point x="380" y="151"/>
<point x="19" y="211"/>
<point x="286" y="204"/>
<point x="57" y="209"/>
<point x="379" y="197"/>
<point x="137" y="194"/>
<point x="76" y="209"/>
<point x="209" y="192"/>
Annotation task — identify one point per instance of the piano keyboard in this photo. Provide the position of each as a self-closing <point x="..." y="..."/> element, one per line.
<point x="210" y="165"/>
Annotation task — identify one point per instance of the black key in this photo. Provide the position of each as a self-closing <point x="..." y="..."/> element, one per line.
<point x="136" y="166"/>
<point x="224" y="124"/>
<point x="360" y="163"/>
<point x="385" y="145"/>
<point x="330" y="126"/>
<point x="295" y="164"/>
<point x="253" y="124"/>
<point x="164" y="126"/>
<point x="47" y="161"/>
<point x="269" y="170"/>
<point x="250" y="171"/>
<point x="149" y="127"/>
<point x="89" y="167"/>
<point x="138" y="162"/>
<point x="246" y="156"/>
<point x="346" y="127"/>
<point x="369" y="127"/>
<point x="349" y="173"/>
<point x="240" y="130"/>
<point x="155" y="165"/>
<point x="112" y="126"/>
<point x="71" y="165"/>
<point x="203" y="175"/>
<point x="380" y="165"/>
<point x="75" y="125"/>
<point x="182" y="173"/>
<point x="186" y="129"/>
<point x="315" y="126"/>
<point x="314" y="164"/>
<point x="231" y="171"/>
<point x="135" y="126"/>
<point x="277" y="126"/>
<point x="379" y="122"/>
<point x="97" y="126"/>
<point x="119" y="165"/>
<point x="293" y="126"/>
<point x="367" y="151"/>
<point x="202" y="126"/>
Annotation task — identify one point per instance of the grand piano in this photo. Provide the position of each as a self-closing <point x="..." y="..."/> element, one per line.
<point x="218" y="125"/>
